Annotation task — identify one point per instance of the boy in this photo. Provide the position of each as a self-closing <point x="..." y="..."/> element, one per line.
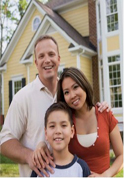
<point x="59" y="130"/>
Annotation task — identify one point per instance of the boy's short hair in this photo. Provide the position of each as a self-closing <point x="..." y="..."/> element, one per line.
<point x="60" y="106"/>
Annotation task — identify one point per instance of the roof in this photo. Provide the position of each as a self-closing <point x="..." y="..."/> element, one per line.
<point x="58" y="5"/>
<point x="75" y="38"/>
<point x="63" y="24"/>
<point x="54" y="3"/>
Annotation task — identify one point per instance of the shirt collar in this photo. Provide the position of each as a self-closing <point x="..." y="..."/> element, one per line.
<point x="39" y="84"/>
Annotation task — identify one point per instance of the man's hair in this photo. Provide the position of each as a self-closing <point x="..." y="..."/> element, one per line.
<point x="60" y="106"/>
<point x="45" y="37"/>
<point x="81" y="80"/>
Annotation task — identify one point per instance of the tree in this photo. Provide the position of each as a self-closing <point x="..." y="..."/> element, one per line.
<point x="10" y="13"/>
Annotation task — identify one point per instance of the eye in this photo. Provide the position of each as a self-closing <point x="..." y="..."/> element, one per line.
<point x="41" y="56"/>
<point x="76" y="86"/>
<point x="65" y="92"/>
<point x="64" y="125"/>
<point x="51" y="126"/>
<point x="51" y="54"/>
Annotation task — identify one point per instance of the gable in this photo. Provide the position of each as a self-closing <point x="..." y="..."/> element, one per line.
<point x="51" y="21"/>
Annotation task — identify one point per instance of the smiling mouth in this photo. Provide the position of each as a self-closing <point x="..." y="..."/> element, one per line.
<point x="48" y="67"/>
<point x="58" y="139"/>
<point x="75" y="102"/>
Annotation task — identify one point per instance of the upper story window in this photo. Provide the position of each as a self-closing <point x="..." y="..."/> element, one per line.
<point x="112" y="15"/>
<point x="36" y="23"/>
<point x="115" y="81"/>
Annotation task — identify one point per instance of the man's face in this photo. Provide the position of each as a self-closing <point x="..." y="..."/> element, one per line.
<point x="47" y="59"/>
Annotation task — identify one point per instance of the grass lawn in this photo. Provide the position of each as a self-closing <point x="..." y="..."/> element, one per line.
<point x="10" y="169"/>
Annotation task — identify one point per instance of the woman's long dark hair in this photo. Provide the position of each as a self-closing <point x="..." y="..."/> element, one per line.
<point x="81" y="80"/>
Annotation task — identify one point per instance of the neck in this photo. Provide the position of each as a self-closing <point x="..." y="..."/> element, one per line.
<point x="62" y="157"/>
<point x="51" y="84"/>
<point x="84" y="112"/>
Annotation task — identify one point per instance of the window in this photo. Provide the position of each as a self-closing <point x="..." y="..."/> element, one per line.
<point x="115" y="81"/>
<point x="15" y="85"/>
<point x="36" y="23"/>
<point x="112" y="15"/>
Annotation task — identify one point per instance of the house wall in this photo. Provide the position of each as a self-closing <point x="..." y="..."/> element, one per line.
<point x="86" y="67"/>
<point x="14" y="68"/>
<point x="113" y="43"/>
<point x="109" y="44"/>
<point x="79" y="19"/>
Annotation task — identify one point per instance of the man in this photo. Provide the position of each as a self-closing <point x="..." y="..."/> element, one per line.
<point x="24" y="124"/>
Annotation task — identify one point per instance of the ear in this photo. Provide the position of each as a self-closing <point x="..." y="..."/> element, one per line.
<point x="59" y="59"/>
<point x="36" y="62"/>
<point x="72" y="131"/>
<point x="46" y="134"/>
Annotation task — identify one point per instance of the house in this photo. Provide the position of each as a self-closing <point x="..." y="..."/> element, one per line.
<point x="89" y="35"/>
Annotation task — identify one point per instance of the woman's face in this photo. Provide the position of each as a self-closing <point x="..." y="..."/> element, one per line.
<point x="74" y="95"/>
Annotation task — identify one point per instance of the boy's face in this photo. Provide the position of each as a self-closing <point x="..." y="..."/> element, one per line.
<point x="59" y="130"/>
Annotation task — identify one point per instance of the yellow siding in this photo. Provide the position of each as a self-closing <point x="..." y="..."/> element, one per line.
<point x="14" y="67"/>
<point x="79" y="19"/>
<point x="86" y="67"/>
<point x="113" y="43"/>
<point x="66" y="58"/>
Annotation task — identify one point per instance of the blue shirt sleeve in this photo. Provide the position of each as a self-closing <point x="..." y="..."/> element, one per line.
<point x="85" y="167"/>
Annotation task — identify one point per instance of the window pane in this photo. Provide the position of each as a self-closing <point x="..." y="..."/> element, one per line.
<point x="112" y="17"/>
<point x="17" y="86"/>
<point x="36" y="23"/>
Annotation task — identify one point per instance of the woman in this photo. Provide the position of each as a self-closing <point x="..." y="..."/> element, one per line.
<point x="93" y="130"/>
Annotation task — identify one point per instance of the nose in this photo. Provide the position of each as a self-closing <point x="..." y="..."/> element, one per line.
<point x="58" y="130"/>
<point x="72" y="94"/>
<point x="47" y="59"/>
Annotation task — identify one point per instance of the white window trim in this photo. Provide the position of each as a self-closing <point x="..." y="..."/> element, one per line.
<point x="33" y="22"/>
<point x="111" y="33"/>
<point x="14" y="79"/>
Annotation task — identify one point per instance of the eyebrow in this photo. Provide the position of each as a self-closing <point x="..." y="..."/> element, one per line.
<point x="55" y="122"/>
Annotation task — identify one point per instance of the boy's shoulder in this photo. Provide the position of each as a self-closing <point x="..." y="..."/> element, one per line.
<point x="81" y="162"/>
<point x="84" y="166"/>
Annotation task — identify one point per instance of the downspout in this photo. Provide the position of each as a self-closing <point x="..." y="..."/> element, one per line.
<point x="28" y="74"/>
<point x="78" y="58"/>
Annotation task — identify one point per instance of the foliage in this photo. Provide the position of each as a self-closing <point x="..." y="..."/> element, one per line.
<point x="10" y="13"/>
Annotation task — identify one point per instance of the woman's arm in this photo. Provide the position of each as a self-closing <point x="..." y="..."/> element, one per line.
<point x="117" y="146"/>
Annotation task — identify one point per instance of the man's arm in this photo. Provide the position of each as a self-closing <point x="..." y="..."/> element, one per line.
<point x="14" y="150"/>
